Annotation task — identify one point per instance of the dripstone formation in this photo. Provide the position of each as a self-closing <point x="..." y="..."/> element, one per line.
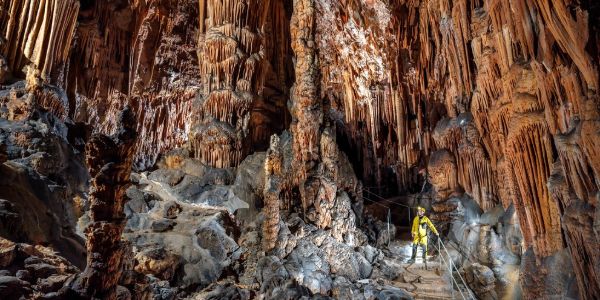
<point x="109" y="162"/>
<point x="241" y="149"/>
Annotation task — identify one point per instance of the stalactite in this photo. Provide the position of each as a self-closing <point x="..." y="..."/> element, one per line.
<point x="40" y="33"/>
<point x="443" y="173"/>
<point x="232" y="67"/>
<point x="529" y="152"/>
<point x="460" y="136"/>
<point x="574" y="163"/>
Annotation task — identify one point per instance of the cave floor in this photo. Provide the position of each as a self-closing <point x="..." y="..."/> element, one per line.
<point x="431" y="282"/>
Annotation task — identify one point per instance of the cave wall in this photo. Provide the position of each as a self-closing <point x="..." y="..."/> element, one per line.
<point x="502" y="93"/>
<point x="142" y="54"/>
<point x="156" y="57"/>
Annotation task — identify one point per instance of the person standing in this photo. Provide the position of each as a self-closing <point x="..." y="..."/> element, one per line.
<point x="419" y="233"/>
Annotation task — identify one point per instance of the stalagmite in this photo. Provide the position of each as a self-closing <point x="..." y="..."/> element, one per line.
<point x="109" y="161"/>
<point x="272" y="190"/>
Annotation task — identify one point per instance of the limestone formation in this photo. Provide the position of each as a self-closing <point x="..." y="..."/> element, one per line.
<point x="487" y="82"/>
<point x="38" y="32"/>
<point x="232" y="59"/>
<point x="273" y="173"/>
<point x="109" y="161"/>
<point x="488" y="109"/>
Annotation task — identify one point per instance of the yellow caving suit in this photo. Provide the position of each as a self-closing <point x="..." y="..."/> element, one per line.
<point x="419" y="233"/>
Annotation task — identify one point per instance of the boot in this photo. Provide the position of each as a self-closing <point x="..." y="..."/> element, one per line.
<point x="414" y="254"/>
<point x="425" y="256"/>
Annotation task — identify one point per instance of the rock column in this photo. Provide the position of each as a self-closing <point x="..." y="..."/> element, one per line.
<point x="306" y="107"/>
<point x="109" y="162"/>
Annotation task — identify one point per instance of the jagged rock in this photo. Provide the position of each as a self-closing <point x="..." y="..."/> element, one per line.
<point x="289" y="290"/>
<point x="249" y="185"/>
<point x="343" y="289"/>
<point x="40" y="270"/>
<point x="370" y="253"/>
<point x="158" y="262"/>
<point x="270" y="272"/>
<point x="23" y="275"/>
<point x="169" y="176"/>
<point x="197" y="250"/>
<point x="307" y="265"/>
<point x="212" y="237"/>
<point x="225" y="290"/>
<point x="31" y="269"/>
<point x="344" y="261"/>
<point x="14" y="288"/>
<point x="171" y="209"/>
<point x="389" y="269"/>
<point x="393" y="293"/>
<point x="163" y="291"/>
<point x="163" y="225"/>
<point x="51" y="283"/>
<point x="42" y="180"/>
<point x="481" y="280"/>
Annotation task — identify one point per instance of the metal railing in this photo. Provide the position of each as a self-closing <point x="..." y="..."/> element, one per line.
<point x="389" y="215"/>
<point x="379" y="198"/>
<point x="441" y="247"/>
<point x="366" y="191"/>
<point x="451" y="267"/>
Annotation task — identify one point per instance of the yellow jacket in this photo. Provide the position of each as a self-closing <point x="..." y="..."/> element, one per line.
<point x="419" y="229"/>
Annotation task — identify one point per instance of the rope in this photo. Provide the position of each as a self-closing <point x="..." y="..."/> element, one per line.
<point x="389" y="218"/>
<point x="440" y="244"/>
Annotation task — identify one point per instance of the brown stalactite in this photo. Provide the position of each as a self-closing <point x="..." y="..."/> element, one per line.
<point x="530" y="155"/>
<point x="442" y="173"/>
<point x="232" y="69"/>
<point x="143" y="55"/>
<point x="40" y="32"/>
